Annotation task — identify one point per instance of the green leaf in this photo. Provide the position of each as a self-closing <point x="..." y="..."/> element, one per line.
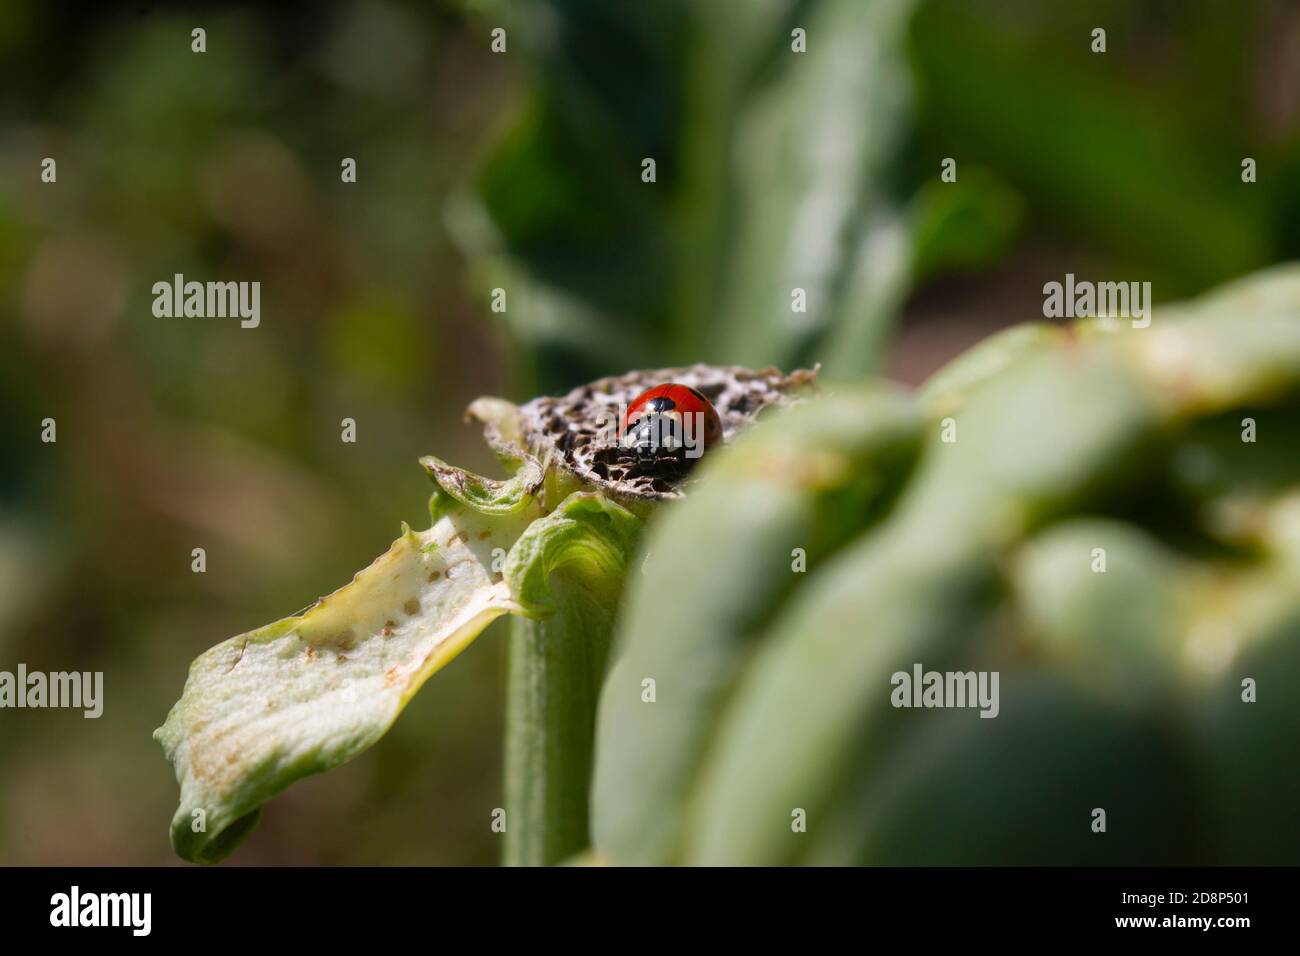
<point x="816" y="694"/>
<point x="588" y="537"/>
<point x="1111" y="620"/>
<point x="1134" y="204"/>
<point x="567" y="572"/>
<point x="950" y="387"/>
<point x="963" y="226"/>
<point x="952" y="789"/>
<point x="774" y="170"/>
<point x="814" y="703"/>
<point x="1247" y="751"/>
<point x="811" y="153"/>
<point x="720" y="564"/>
<point x="313" y="690"/>
<point x="487" y="496"/>
<point x="1121" y="688"/>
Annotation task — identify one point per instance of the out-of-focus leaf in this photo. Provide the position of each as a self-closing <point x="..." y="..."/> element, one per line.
<point x="1123" y="682"/>
<point x="802" y="712"/>
<point x="963" y="226"/>
<point x="774" y="172"/>
<point x="949" y="388"/>
<point x="562" y="334"/>
<point x="558" y="208"/>
<point x="810" y="157"/>
<point x="1212" y="462"/>
<point x="764" y="509"/>
<point x="1110" y="620"/>
<point x="1247" y="750"/>
<point x="958" y="790"/>
<point x="1087" y="150"/>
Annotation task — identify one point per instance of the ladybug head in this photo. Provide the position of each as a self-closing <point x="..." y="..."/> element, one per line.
<point x="670" y="420"/>
<point x="654" y="435"/>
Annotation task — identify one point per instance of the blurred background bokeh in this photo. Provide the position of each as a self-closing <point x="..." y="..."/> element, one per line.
<point x="519" y="170"/>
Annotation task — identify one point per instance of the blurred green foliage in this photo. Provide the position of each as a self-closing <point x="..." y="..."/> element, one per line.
<point x="478" y="170"/>
<point x="820" y="170"/>
<point x="777" y="167"/>
<point x="974" y="543"/>
<point x="177" y="434"/>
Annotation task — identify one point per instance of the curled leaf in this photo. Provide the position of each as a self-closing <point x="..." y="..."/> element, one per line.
<point x="588" y="536"/>
<point x="487" y="496"/>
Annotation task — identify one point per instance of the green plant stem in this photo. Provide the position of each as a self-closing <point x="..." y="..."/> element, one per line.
<point x="555" y="671"/>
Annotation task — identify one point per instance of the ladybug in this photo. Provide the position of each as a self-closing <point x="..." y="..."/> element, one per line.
<point x="670" y="419"/>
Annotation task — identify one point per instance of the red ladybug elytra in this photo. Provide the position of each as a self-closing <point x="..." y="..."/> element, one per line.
<point x="669" y="419"/>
